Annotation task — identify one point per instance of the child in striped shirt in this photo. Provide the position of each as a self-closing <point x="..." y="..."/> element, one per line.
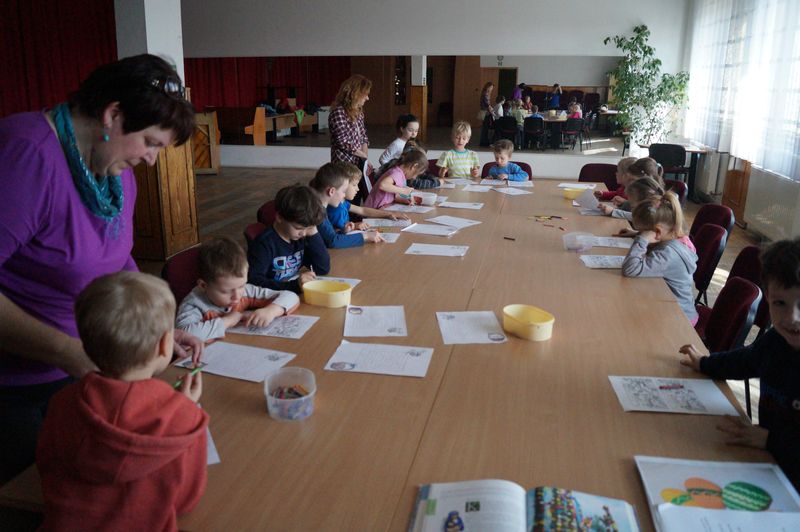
<point x="459" y="162"/>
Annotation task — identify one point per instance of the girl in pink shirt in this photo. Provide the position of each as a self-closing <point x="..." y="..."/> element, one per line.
<point x="393" y="182"/>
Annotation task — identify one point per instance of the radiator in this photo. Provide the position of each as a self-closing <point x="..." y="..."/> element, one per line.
<point x="773" y="205"/>
<point x="710" y="175"/>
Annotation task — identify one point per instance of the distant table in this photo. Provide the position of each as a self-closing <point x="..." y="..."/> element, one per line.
<point x="694" y="151"/>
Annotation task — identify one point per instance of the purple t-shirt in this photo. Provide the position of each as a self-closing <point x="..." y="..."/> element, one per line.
<point x="51" y="245"/>
<point x="378" y="198"/>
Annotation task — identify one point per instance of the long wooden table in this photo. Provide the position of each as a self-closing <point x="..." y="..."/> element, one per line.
<point x="534" y="413"/>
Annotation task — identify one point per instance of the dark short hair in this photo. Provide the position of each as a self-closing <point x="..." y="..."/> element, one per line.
<point x="149" y="92"/>
<point x="404" y="120"/>
<point x="503" y="145"/>
<point x="329" y="175"/>
<point x="221" y="257"/>
<point x="300" y="205"/>
<point x="780" y="263"/>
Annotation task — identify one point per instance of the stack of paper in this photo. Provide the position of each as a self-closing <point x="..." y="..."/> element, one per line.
<point x="383" y="359"/>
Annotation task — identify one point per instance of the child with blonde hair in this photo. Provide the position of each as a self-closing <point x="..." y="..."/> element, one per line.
<point x="392" y="186"/>
<point x="623" y="180"/>
<point x="637" y="191"/>
<point x="662" y="249"/>
<point x="459" y="162"/>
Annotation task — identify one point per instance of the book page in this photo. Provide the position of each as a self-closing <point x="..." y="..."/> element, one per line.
<point x="567" y="510"/>
<point x="470" y="327"/>
<point x="453" y="221"/>
<point x="375" y="321"/>
<point x="511" y="191"/>
<point x="680" y="396"/>
<point x="688" y="519"/>
<point x="240" y="361"/>
<point x="603" y="261"/>
<point x="430" y="229"/>
<point x="385" y="222"/>
<point x="491" y="505"/>
<point x="461" y="205"/>
<point x="383" y="359"/>
<point x="437" y="250"/>
<point x="293" y="326"/>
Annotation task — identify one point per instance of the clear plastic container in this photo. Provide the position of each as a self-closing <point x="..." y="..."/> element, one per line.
<point x="290" y="409"/>
<point x="577" y="241"/>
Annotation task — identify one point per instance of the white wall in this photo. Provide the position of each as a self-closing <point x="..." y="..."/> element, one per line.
<point x="150" y="26"/>
<point x="549" y="69"/>
<point x="230" y="28"/>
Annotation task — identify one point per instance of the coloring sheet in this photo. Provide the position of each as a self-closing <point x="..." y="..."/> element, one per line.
<point x="347" y="280"/>
<point x="453" y="221"/>
<point x="430" y="229"/>
<point x="459" y="181"/>
<point x="437" y="250"/>
<point x="577" y="185"/>
<point x="461" y="205"/>
<point x="493" y="182"/>
<point x="608" y="242"/>
<point x="385" y="222"/>
<point x="382" y="359"/>
<point x="447" y="185"/>
<point x="470" y="327"/>
<point x="587" y="200"/>
<point x="375" y="321"/>
<point x="293" y="326"/>
<point x="523" y="184"/>
<point x="511" y="191"/>
<point x="398" y="207"/>
<point x="681" y="396"/>
<point x="603" y="261"/>
<point x="476" y="188"/>
<point x="240" y="361"/>
<point x="390" y="238"/>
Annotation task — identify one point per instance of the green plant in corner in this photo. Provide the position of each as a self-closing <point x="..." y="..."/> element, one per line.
<point x="644" y="96"/>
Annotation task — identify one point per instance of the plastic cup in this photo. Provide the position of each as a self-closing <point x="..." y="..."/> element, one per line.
<point x="290" y="409"/>
<point x="577" y="241"/>
<point x="426" y="198"/>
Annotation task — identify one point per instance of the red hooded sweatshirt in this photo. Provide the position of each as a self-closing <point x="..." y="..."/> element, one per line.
<point x="117" y="455"/>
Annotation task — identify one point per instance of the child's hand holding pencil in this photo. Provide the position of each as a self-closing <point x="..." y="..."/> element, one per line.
<point x="191" y="384"/>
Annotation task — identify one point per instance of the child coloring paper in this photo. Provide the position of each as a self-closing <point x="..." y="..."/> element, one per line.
<point x="293" y="327"/>
<point x="612" y="262"/>
<point x="470" y="327"/>
<point x="382" y="359"/>
<point x="375" y="321"/>
<point x="680" y="396"/>
<point x="437" y="250"/>
<point x="453" y="221"/>
<point x="240" y="361"/>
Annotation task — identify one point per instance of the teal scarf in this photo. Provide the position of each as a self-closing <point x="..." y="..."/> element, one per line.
<point x="103" y="196"/>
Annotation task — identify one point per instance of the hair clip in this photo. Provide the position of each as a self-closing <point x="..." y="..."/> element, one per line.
<point x="170" y="86"/>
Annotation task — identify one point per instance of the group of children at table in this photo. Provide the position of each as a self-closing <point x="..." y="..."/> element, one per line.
<point x="121" y="447"/>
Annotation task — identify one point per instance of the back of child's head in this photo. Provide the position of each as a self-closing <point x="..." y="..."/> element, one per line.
<point x="299" y="204"/>
<point x="221" y="257"/>
<point x="642" y="189"/>
<point x="503" y="146"/>
<point x="121" y="317"/>
<point x="646" y="167"/>
<point x="463" y="128"/>
<point x="350" y="171"/>
<point x="664" y="210"/>
<point x="404" y="120"/>
<point x="500" y="99"/>
<point x="624" y="164"/>
<point x="780" y="264"/>
<point x="535" y="109"/>
<point x="329" y="175"/>
<point x="414" y="144"/>
<point x="413" y="159"/>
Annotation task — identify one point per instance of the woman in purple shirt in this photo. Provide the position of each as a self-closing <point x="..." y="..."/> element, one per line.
<point x="66" y="217"/>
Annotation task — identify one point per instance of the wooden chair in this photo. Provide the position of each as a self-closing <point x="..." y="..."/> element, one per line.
<point x="599" y="173"/>
<point x="710" y="242"/>
<point x="181" y="272"/>
<point x="525" y="167"/>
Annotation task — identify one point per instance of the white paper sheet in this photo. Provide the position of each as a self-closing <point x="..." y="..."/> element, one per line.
<point x="441" y="199"/>
<point x="390" y="238"/>
<point x="385" y="222"/>
<point x="404" y="361"/>
<point x="577" y="185"/>
<point x="351" y="282"/>
<point x="212" y="455"/>
<point x="687" y="519"/>
<point x="523" y="184"/>
<point x="511" y="191"/>
<point x="608" y="242"/>
<point x="430" y="229"/>
<point x="459" y="181"/>
<point x="603" y="261"/>
<point x="587" y="200"/>
<point x="476" y="188"/>
<point x="453" y="221"/>
<point x="590" y="212"/>
<point x="682" y="396"/>
<point x="375" y="321"/>
<point x="470" y="327"/>
<point x="240" y="361"/>
<point x="437" y="250"/>
<point x="294" y="327"/>
<point x="461" y="205"/>
<point x="493" y="182"/>
<point x="399" y="207"/>
<point x="447" y="185"/>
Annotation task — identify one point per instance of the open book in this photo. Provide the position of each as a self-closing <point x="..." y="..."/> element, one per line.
<point x="503" y="506"/>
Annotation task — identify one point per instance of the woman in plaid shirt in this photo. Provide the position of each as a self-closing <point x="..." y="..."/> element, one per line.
<point x="349" y="140"/>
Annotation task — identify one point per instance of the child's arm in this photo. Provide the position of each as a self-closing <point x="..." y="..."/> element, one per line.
<point x="640" y="263"/>
<point x="516" y="173"/>
<point x="315" y="255"/>
<point x="260" y="296"/>
<point x="496" y="173"/>
<point x="190" y="319"/>
<point x="386" y="184"/>
<point x="625" y="215"/>
<point x="476" y="164"/>
<point x="333" y="239"/>
<point x="369" y="212"/>
<point x="609" y="195"/>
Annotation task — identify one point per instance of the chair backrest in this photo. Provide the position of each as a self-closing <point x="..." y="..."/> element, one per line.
<point x="525" y="167"/>
<point x="590" y="101"/>
<point x="252" y="231"/>
<point x="432" y="168"/>
<point x="748" y="266"/>
<point x="678" y="187"/>
<point x="181" y="272"/>
<point x="713" y="214"/>
<point x="533" y="124"/>
<point x="599" y="173"/>
<point x="710" y="242"/>
<point x="668" y="155"/>
<point x="266" y="213"/>
<point x="578" y="95"/>
<point x="506" y="124"/>
<point x="573" y="125"/>
<point x="732" y="315"/>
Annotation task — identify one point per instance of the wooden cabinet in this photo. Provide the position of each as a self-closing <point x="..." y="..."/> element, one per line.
<point x="205" y="143"/>
<point x="165" y="216"/>
<point x="734" y="194"/>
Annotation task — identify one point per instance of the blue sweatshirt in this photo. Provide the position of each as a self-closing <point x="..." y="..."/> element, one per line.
<point x="333" y="239"/>
<point x="514" y="172"/>
<point x="339" y="216"/>
<point x="274" y="262"/>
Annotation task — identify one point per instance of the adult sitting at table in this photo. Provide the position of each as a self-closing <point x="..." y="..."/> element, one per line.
<point x="349" y="141"/>
<point x="66" y="218"/>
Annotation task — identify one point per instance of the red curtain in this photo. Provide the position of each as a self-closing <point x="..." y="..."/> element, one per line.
<point x="49" y="46"/>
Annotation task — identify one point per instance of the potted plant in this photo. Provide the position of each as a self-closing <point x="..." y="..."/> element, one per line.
<point x="644" y="96"/>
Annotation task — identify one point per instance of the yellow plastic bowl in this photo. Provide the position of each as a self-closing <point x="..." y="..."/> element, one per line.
<point x="572" y="193"/>
<point x="528" y="322"/>
<point x="331" y="294"/>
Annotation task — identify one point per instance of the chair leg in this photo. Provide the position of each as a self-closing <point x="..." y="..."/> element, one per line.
<point x="747" y="398"/>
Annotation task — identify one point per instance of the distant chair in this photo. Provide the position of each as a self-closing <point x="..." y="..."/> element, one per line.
<point x="505" y="127"/>
<point x="266" y="213"/>
<point x="599" y="173"/>
<point x="672" y="157"/>
<point x="748" y="266"/>
<point x="714" y="214"/>
<point x="525" y="167"/>
<point x="253" y="231"/>
<point x="572" y="132"/>
<point x="678" y="187"/>
<point x="432" y="168"/>
<point x="533" y="132"/>
<point x="710" y="242"/>
<point x="181" y="272"/>
<point x="591" y="101"/>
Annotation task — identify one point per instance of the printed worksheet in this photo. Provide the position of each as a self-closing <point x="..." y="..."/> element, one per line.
<point x="493" y="182"/>
<point x="461" y="205"/>
<point x="476" y="188"/>
<point x="399" y="207"/>
<point x="459" y="181"/>
<point x="587" y="200"/>
<point x="608" y="242"/>
<point x="440" y="199"/>
<point x="390" y="238"/>
<point x="375" y="321"/>
<point x="437" y="250"/>
<point x="523" y="184"/>
<point x="453" y="221"/>
<point x="447" y="185"/>
<point x="431" y="229"/>
<point x="346" y="280"/>
<point x="293" y="327"/>
<point x="511" y="191"/>
<point x="577" y="185"/>
<point x="470" y="327"/>
<point x="612" y="262"/>
<point x="240" y="361"/>
<point x="382" y="359"/>
<point x="385" y="222"/>
<point x="212" y="455"/>
<point x="681" y="396"/>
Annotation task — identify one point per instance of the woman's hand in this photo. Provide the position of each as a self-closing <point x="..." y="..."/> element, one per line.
<point x="187" y="344"/>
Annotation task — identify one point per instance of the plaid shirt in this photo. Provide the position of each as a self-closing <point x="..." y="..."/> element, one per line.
<point x="346" y="136"/>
